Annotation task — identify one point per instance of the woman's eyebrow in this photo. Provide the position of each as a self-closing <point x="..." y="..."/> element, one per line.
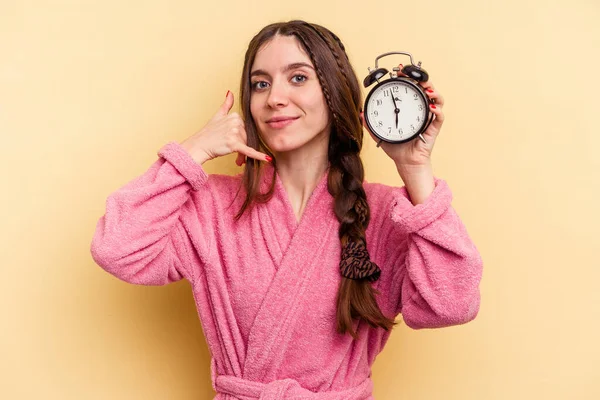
<point x="285" y="69"/>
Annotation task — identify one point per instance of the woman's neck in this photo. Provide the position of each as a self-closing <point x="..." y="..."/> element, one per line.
<point x="300" y="171"/>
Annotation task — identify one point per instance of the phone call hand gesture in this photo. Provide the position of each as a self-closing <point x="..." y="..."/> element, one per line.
<point x="222" y="135"/>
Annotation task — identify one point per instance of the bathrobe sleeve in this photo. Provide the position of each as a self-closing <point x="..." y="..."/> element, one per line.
<point x="434" y="266"/>
<point x="142" y="238"/>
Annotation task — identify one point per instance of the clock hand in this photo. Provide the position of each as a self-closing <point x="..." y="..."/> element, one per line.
<point x="394" y="99"/>
<point x="396" y="110"/>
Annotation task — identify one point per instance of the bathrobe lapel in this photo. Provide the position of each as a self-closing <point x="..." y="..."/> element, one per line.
<point x="277" y="220"/>
<point x="296" y="252"/>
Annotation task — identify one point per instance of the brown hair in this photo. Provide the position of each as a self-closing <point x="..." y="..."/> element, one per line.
<point x="356" y="297"/>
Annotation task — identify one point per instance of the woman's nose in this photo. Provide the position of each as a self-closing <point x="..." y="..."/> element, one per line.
<point x="278" y="96"/>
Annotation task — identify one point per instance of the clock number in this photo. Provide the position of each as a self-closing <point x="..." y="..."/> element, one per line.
<point x="380" y="102"/>
<point x="418" y="119"/>
<point x="416" y="97"/>
<point x="406" y="90"/>
<point x="380" y="123"/>
<point x="389" y="129"/>
<point x="412" y="127"/>
<point x="386" y="93"/>
<point x="396" y="89"/>
<point x="375" y="113"/>
<point x="401" y="132"/>
<point x="420" y="107"/>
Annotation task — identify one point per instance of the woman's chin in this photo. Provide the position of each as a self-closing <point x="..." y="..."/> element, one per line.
<point x="283" y="145"/>
<point x="286" y="142"/>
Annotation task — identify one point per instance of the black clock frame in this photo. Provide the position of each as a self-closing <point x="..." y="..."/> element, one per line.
<point x="428" y="113"/>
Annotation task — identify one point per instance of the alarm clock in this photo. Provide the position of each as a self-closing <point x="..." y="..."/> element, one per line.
<point x="397" y="109"/>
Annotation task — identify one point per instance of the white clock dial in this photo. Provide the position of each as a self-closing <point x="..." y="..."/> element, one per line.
<point x="399" y="121"/>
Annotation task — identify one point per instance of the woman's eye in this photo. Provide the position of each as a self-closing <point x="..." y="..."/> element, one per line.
<point x="260" y="85"/>
<point x="299" y="78"/>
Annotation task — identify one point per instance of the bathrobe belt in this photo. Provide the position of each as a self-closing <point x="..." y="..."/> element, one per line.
<point x="244" y="389"/>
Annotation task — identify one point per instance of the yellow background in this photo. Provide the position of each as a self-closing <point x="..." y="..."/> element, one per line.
<point x="90" y="90"/>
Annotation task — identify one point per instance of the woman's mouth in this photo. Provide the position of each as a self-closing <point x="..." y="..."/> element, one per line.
<point x="280" y="122"/>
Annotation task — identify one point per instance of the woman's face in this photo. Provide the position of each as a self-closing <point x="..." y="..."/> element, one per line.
<point x="286" y="101"/>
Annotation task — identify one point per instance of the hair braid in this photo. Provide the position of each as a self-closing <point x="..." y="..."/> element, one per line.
<point x="345" y="70"/>
<point x="321" y="78"/>
<point x="327" y="93"/>
<point x="333" y="50"/>
<point x="356" y="297"/>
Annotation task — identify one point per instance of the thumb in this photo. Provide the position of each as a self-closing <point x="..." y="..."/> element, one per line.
<point x="227" y="104"/>
<point x="364" y="123"/>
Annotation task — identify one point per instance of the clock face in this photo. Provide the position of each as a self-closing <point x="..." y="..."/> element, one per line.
<point x="396" y="110"/>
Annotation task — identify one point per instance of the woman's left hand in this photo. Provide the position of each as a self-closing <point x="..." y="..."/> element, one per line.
<point x="415" y="153"/>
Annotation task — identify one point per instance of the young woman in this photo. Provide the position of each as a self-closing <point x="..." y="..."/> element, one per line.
<point x="298" y="267"/>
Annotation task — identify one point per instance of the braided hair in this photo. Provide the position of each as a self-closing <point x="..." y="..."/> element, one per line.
<point x="356" y="296"/>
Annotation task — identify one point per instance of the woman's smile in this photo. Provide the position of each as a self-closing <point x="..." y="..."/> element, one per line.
<point x="281" y="122"/>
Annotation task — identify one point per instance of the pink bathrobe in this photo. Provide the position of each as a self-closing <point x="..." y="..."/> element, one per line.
<point x="265" y="286"/>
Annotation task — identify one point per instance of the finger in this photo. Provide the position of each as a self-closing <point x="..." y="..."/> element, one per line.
<point x="240" y="131"/>
<point x="252" y="153"/>
<point x="437" y="98"/>
<point x="241" y="159"/>
<point x="236" y="121"/>
<point x="400" y="73"/>
<point x="427" y="85"/>
<point x="227" y="104"/>
<point x="438" y="119"/>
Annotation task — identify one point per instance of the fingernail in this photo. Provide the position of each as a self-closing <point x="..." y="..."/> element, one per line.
<point x="432" y="106"/>
<point x="268" y="158"/>
<point x="430" y="91"/>
<point x="227" y="94"/>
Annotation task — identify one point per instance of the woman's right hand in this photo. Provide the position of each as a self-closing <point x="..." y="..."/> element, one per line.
<point x="222" y="135"/>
